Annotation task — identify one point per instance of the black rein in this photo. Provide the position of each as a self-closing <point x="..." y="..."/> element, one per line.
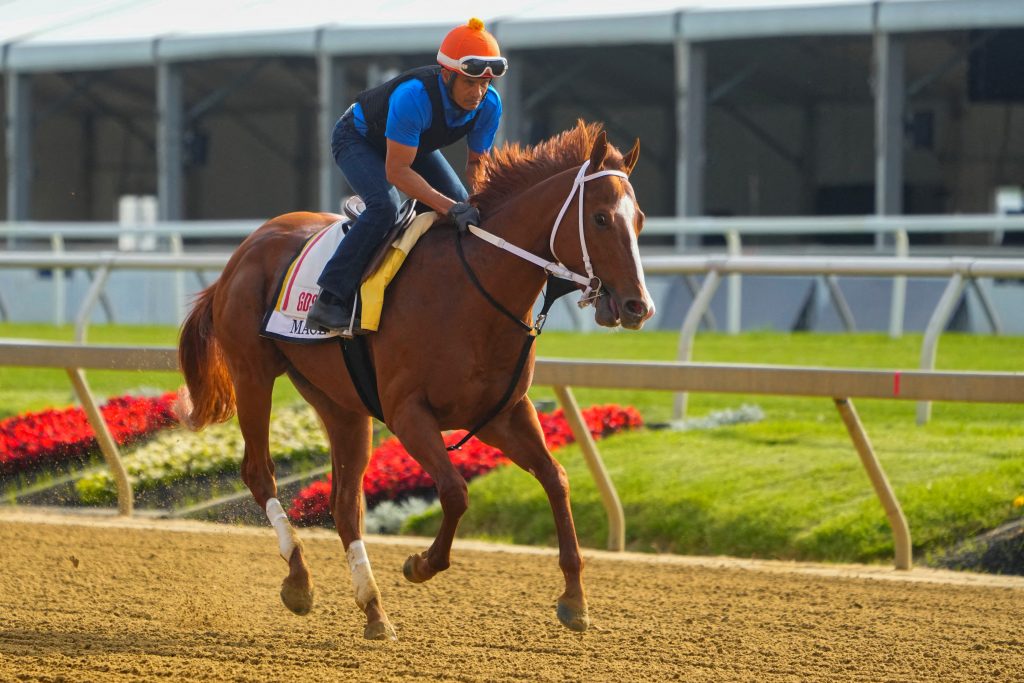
<point x="556" y="288"/>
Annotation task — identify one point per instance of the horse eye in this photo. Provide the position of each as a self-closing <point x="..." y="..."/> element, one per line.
<point x="601" y="219"/>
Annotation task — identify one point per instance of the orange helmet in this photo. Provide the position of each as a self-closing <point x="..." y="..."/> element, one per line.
<point x="472" y="51"/>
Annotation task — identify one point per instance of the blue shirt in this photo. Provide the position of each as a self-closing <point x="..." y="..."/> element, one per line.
<point x="410" y="113"/>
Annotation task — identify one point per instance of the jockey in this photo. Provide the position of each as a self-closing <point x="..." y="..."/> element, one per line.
<point x="388" y="140"/>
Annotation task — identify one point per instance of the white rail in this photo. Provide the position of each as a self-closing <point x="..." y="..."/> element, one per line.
<point x="95" y="230"/>
<point x="832" y="225"/>
<point x="655" y="225"/>
<point x="839" y="384"/>
<point x="962" y="272"/>
<point x="99" y="266"/>
<point x="916" y="266"/>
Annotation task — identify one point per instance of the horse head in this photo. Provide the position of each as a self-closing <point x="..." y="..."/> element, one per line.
<point x="610" y="222"/>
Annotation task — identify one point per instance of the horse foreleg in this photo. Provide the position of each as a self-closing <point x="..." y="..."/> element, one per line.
<point x="518" y="434"/>
<point x="350" y="438"/>
<point x="253" y="397"/>
<point x="420" y="434"/>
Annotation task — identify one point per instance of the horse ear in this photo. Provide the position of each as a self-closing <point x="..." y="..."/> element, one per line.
<point x="598" y="152"/>
<point x="629" y="161"/>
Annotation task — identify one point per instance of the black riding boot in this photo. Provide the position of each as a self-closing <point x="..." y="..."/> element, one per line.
<point x="329" y="313"/>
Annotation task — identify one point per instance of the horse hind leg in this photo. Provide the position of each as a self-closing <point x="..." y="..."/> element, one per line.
<point x="350" y="438"/>
<point x="253" y="391"/>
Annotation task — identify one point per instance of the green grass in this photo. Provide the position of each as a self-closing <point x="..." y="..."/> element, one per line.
<point x="788" y="487"/>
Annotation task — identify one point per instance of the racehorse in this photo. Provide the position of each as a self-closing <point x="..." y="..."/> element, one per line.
<point x="445" y="353"/>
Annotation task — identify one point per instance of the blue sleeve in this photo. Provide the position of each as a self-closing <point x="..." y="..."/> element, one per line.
<point x="408" y="113"/>
<point x="481" y="138"/>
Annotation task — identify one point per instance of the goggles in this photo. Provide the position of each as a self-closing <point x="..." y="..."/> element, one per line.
<point x="475" y="67"/>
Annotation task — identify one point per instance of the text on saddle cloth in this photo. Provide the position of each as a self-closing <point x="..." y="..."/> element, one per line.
<point x="299" y="288"/>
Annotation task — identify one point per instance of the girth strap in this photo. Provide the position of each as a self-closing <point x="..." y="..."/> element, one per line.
<point x="363" y="373"/>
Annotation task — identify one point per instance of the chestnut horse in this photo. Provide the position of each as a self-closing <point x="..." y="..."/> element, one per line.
<point x="444" y="355"/>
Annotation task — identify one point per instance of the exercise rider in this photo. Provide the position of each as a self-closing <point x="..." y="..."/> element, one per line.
<point x="389" y="140"/>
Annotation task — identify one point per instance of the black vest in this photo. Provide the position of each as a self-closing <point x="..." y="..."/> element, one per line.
<point x="375" y="102"/>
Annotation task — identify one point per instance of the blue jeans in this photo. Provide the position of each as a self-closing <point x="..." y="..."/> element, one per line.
<point x="363" y="167"/>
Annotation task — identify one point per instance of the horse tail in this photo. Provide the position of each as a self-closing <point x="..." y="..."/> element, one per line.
<point x="209" y="395"/>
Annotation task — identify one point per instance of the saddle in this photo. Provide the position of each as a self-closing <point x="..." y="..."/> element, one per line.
<point x="298" y="288"/>
<point x="354" y="207"/>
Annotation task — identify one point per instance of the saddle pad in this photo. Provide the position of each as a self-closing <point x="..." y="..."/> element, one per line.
<point x="298" y="289"/>
<point x="372" y="289"/>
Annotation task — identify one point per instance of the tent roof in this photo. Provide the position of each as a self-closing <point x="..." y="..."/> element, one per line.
<point x="57" y="35"/>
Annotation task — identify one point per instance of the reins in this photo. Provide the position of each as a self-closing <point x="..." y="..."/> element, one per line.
<point x="556" y="267"/>
<point x="556" y="288"/>
<point x="560" y="282"/>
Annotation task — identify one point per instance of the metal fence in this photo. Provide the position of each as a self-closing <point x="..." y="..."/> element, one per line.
<point x="961" y="273"/>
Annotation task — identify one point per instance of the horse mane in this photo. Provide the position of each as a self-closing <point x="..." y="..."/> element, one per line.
<point x="512" y="168"/>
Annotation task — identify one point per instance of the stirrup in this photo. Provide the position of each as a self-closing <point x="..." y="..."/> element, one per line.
<point x="349" y="331"/>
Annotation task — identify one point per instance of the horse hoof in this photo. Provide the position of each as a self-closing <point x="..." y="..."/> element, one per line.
<point x="573" y="618"/>
<point x="297" y="598"/>
<point x="409" y="569"/>
<point x="380" y="630"/>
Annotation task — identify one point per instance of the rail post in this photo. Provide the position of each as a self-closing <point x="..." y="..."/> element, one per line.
<point x="180" y="305"/>
<point x="937" y="323"/>
<point x="735" y="295"/>
<point x="125" y="499"/>
<point x="609" y="496"/>
<point x="89" y="303"/>
<point x="898" y="306"/>
<point x="898" y="522"/>
<point x="691" y="322"/>
<point x="840" y="303"/>
<point x="987" y="307"/>
<point x="59" y="293"/>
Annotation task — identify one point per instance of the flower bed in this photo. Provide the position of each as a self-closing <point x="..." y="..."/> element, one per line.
<point x="30" y="441"/>
<point x="177" y="455"/>
<point x="393" y="474"/>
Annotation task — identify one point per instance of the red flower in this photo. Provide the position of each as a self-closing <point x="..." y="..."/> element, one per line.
<point x="393" y="474"/>
<point x="34" y="439"/>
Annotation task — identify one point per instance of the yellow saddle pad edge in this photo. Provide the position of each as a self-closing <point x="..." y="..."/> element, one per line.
<point x="372" y="290"/>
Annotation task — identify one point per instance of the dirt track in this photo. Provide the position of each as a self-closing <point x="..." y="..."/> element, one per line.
<point x="96" y="599"/>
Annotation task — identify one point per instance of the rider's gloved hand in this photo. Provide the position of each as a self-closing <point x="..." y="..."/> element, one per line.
<point x="464" y="215"/>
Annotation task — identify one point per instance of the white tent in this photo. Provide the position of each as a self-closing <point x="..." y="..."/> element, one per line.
<point x="131" y="80"/>
<point x="48" y="35"/>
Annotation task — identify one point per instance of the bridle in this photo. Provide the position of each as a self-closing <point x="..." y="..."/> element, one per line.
<point x="566" y="279"/>
<point x="590" y="282"/>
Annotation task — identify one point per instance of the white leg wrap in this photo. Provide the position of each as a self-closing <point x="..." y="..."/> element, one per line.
<point x="286" y="540"/>
<point x="362" y="575"/>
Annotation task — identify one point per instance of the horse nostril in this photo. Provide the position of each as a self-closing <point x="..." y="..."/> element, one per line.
<point x="635" y="307"/>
